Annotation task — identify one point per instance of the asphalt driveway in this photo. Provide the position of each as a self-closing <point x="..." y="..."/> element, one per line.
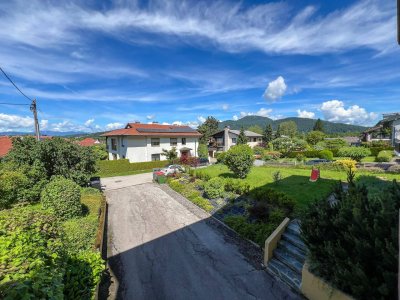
<point x="161" y="246"/>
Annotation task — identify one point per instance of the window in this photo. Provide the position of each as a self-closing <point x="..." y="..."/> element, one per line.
<point x="233" y="140"/>
<point x="259" y="139"/>
<point x="254" y="139"/>
<point x="173" y="141"/>
<point x="155" y="157"/>
<point x="155" y="142"/>
<point x="122" y="142"/>
<point x="183" y="141"/>
<point x="113" y="144"/>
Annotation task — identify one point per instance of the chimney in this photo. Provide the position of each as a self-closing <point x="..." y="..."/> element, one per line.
<point x="137" y="122"/>
<point x="226" y="138"/>
<point x="155" y="122"/>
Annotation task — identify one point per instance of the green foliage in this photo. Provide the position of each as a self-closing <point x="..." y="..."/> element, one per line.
<point x="275" y="199"/>
<point x="300" y="157"/>
<point x="100" y="152"/>
<point x="208" y="128"/>
<point x="214" y="188"/>
<point x="288" y="128"/>
<point x="319" y="126"/>
<point x="57" y="156"/>
<point x="62" y="196"/>
<point x="314" y="137"/>
<point x="239" y="160"/>
<point x="334" y="144"/>
<point x="354" y="243"/>
<point x="326" y="154"/>
<point x="256" y="129"/>
<point x="375" y="150"/>
<point x="257" y="150"/>
<point x="237" y="186"/>
<point x="32" y="256"/>
<point x="277" y="176"/>
<point x="242" y="138"/>
<point x="220" y="156"/>
<point x="267" y="134"/>
<point x="202" y="151"/>
<point x="299" y="144"/>
<point x="271" y="155"/>
<point x="114" y="167"/>
<point x="384" y="156"/>
<point x="189" y="191"/>
<point x="170" y="155"/>
<point x="356" y="153"/>
<point x="283" y="144"/>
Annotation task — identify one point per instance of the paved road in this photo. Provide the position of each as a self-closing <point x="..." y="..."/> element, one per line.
<point x="161" y="246"/>
<point x="111" y="183"/>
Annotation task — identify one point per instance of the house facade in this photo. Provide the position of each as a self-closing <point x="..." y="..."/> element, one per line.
<point x="388" y="129"/>
<point x="144" y="142"/>
<point x="225" y="139"/>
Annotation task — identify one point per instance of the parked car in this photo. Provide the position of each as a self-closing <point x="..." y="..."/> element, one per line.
<point x="316" y="162"/>
<point x="171" y="169"/>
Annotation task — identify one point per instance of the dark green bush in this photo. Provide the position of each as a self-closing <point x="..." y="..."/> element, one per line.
<point x="354" y="244"/>
<point x="110" y="167"/>
<point x="326" y="154"/>
<point x="274" y="198"/>
<point x="237" y="186"/>
<point x="32" y="255"/>
<point x="63" y="197"/>
<point x="214" y="188"/>
<point x="384" y="156"/>
<point x="239" y="159"/>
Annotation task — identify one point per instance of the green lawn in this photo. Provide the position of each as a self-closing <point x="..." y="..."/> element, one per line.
<point x="295" y="182"/>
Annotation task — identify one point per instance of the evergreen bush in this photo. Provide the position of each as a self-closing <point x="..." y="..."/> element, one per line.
<point x="62" y="196"/>
<point x="326" y="154"/>
<point x="239" y="160"/>
<point x="214" y="188"/>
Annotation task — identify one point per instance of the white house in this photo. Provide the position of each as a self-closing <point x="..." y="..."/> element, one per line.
<point x="144" y="142"/>
<point x="225" y="139"/>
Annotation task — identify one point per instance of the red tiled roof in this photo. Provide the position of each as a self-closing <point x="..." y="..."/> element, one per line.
<point x="164" y="130"/>
<point x="87" y="142"/>
<point x="5" y="145"/>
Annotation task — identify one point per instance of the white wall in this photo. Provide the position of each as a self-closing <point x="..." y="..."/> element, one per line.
<point x="139" y="149"/>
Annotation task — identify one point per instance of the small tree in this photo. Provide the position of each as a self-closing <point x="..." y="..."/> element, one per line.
<point x="202" y="151"/>
<point x="283" y="144"/>
<point x="239" y="160"/>
<point x="242" y="138"/>
<point x="318" y="126"/>
<point x="313" y="137"/>
<point x="267" y="134"/>
<point x="208" y="128"/>
<point x="356" y="153"/>
<point x="170" y="155"/>
<point x="278" y="132"/>
<point x="288" y="128"/>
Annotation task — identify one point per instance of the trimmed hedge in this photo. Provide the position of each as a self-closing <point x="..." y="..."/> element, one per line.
<point x="375" y="150"/>
<point x="109" y="167"/>
<point x="384" y="156"/>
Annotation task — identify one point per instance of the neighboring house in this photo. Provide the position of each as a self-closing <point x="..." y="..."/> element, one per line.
<point x="144" y="142"/>
<point x="225" y="139"/>
<point x="5" y="145"/>
<point x="388" y="129"/>
<point x="87" y="142"/>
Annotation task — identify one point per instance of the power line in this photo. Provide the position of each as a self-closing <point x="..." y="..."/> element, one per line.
<point x="9" y="79"/>
<point x="4" y="103"/>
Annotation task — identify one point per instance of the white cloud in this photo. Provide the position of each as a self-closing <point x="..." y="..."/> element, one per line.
<point x="335" y="111"/>
<point x="225" y="107"/>
<point x="305" y="114"/>
<point x="262" y="112"/>
<point x="235" y="118"/>
<point x="89" y="123"/>
<point x="112" y="126"/>
<point x="14" y="122"/>
<point x="150" y="117"/>
<point x="201" y="119"/>
<point x="275" y="89"/>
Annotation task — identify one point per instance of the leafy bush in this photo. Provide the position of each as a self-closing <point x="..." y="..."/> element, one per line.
<point x="257" y="150"/>
<point x="202" y="151"/>
<point x="356" y="153"/>
<point x="100" y="152"/>
<point x="313" y="137"/>
<point x="214" y="188"/>
<point x="354" y="244"/>
<point x="276" y="176"/>
<point x="220" y="156"/>
<point x="110" y="167"/>
<point x="283" y="144"/>
<point x="202" y="175"/>
<point x="274" y="198"/>
<point x="271" y="155"/>
<point x="189" y="191"/>
<point x="334" y="144"/>
<point x="300" y="157"/>
<point x="326" y="154"/>
<point x="239" y="160"/>
<point x="346" y="164"/>
<point x="62" y="196"/>
<point x="384" y="156"/>
<point x="237" y="186"/>
<point x="32" y="256"/>
<point x="13" y="187"/>
<point x="299" y="144"/>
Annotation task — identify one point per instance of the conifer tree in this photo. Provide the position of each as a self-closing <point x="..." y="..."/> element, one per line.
<point x="318" y="126"/>
<point x="242" y="138"/>
<point x="267" y="134"/>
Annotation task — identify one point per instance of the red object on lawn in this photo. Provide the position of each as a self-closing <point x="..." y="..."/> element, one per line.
<point x="314" y="175"/>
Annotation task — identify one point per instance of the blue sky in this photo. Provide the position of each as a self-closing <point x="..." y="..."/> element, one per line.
<point x="95" y="65"/>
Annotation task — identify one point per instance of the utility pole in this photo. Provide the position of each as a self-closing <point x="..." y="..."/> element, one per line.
<point x="33" y="109"/>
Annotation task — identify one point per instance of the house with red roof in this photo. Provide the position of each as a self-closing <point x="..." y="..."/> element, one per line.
<point x="144" y="142"/>
<point x="88" y="142"/>
<point x="5" y="145"/>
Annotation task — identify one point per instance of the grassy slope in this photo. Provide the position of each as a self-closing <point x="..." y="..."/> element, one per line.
<point x="295" y="182"/>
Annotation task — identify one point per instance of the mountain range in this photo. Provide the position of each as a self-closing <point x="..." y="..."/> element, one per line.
<point x="303" y="124"/>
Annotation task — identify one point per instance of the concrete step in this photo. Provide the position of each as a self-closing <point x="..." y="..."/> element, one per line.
<point x="295" y="240"/>
<point x="286" y="274"/>
<point x="293" y="228"/>
<point x="289" y="260"/>
<point x="293" y="250"/>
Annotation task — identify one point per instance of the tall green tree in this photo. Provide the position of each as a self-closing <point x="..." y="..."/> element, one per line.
<point x="288" y="128"/>
<point x="208" y="128"/>
<point x="278" y="132"/>
<point x="313" y="137"/>
<point x="318" y="126"/>
<point x="242" y="138"/>
<point x="267" y="134"/>
<point x="170" y="155"/>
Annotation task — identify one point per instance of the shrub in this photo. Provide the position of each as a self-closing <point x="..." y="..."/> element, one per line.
<point x="346" y="164"/>
<point x="274" y="198"/>
<point x="300" y="157"/>
<point x="214" y="188"/>
<point x="13" y="188"/>
<point x="239" y="160"/>
<point x="271" y="155"/>
<point x="32" y="256"/>
<point x="202" y="151"/>
<point x="308" y="154"/>
<point x="259" y="211"/>
<point x="334" y="144"/>
<point x="356" y="153"/>
<point x="111" y="167"/>
<point x="375" y="150"/>
<point x="326" y="154"/>
<point x="257" y="150"/>
<point x="238" y="186"/>
<point x="276" y="176"/>
<point x="203" y="176"/>
<point x="313" y="137"/>
<point x="202" y="203"/>
<point x="359" y="247"/>
<point x="62" y="196"/>
<point x="221" y="157"/>
<point x="283" y="144"/>
<point x="384" y="156"/>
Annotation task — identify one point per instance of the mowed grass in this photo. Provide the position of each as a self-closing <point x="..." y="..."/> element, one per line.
<point x="295" y="182"/>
